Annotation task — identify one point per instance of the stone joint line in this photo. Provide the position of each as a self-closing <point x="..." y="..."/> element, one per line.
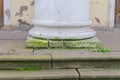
<point x="78" y="73"/>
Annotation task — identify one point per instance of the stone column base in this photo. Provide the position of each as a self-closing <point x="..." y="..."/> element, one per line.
<point x="41" y="43"/>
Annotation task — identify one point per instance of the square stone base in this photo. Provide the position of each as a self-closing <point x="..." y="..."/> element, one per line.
<point x="39" y="43"/>
<point x="87" y="43"/>
<point x="36" y="43"/>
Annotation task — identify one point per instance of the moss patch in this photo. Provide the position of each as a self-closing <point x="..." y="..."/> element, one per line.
<point x="32" y="42"/>
<point x="30" y="69"/>
<point x="102" y="49"/>
<point x="80" y="44"/>
<point x="92" y="45"/>
<point x="56" y="44"/>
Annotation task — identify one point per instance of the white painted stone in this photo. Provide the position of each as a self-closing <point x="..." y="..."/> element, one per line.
<point x="7" y="12"/>
<point x="63" y="19"/>
<point x="62" y="33"/>
<point x="61" y="24"/>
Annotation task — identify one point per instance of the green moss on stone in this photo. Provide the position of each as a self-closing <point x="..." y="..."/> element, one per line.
<point x="102" y="49"/>
<point x="80" y="44"/>
<point x="30" y="69"/>
<point x="56" y="44"/>
<point x="57" y="38"/>
<point x="33" y="42"/>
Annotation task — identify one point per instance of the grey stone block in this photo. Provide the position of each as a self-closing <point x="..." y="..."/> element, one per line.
<point x="36" y="43"/>
<point x="25" y="61"/>
<point x="13" y="35"/>
<point x="56" y="44"/>
<point x="86" y="61"/>
<point x="11" y="46"/>
<point x="99" y="74"/>
<point x="39" y="43"/>
<point x="84" y="64"/>
<point x="87" y="43"/>
<point x="63" y="74"/>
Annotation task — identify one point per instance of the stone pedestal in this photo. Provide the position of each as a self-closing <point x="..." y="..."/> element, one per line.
<point x="65" y="44"/>
<point x="57" y="21"/>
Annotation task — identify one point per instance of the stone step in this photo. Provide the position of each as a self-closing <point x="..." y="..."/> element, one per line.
<point x="61" y="61"/>
<point x="8" y="62"/>
<point x="99" y="74"/>
<point x="62" y="74"/>
<point x="86" y="60"/>
<point x="40" y="75"/>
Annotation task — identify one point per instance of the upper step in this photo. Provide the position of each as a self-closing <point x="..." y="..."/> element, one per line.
<point x="57" y="60"/>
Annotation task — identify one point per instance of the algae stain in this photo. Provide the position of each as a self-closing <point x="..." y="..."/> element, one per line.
<point x="103" y="50"/>
<point x="36" y="43"/>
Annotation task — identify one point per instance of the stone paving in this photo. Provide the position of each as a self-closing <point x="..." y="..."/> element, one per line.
<point x="13" y="42"/>
<point x="110" y="39"/>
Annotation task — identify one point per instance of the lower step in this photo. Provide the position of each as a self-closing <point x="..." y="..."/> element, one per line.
<point x="62" y="74"/>
<point x="99" y="74"/>
<point x="40" y="75"/>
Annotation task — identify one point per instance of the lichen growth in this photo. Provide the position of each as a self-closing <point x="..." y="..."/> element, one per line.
<point x="102" y="49"/>
<point x="56" y="44"/>
<point x="63" y="44"/>
<point x="80" y="44"/>
<point x="36" y="43"/>
<point x="57" y="38"/>
<point x="30" y="69"/>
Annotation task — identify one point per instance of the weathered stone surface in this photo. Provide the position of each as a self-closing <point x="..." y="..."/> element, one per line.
<point x="86" y="61"/>
<point x="2" y="42"/>
<point x="90" y="64"/>
<point x="60" y="51"/>
<point x="39" y="43"/>
<point x="71" y="26"/>
<point x="36" y="43"/>
<point x="25" y="61"/>
<point x="63" y="74"/>
<point x="13" y="35"/>
<point x="21" y="51"/>
<point x="44" y="57"/>
<point x="110" y="39"/>
<point x="99" y="74"/>
<point x="87" y="43"/>
<point x="11" y="46"/>
<point x="107" y="38"/>
<point x="56" y="44"/>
